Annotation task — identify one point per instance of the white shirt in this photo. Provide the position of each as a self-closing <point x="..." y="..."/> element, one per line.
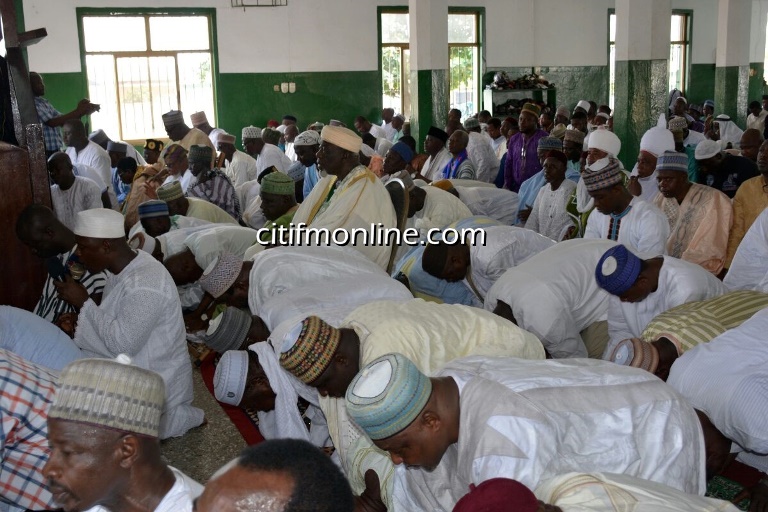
<point x="84" y="194"/>
<point x="694" y="138"/>
<point x="679" y="282"/>
<point x="483" y="157"/>
<point x="378" y="131"/>
<point x="434" y="165"/>
<point x="549" y="216"/>
<point x="178" y="499"/>
<point x="86" y="171"/>
<point x="749" y="268"/>
<point x="391" y="132"/>
<point x="644" y="229"/>
<point x="757" y="122"/>
<point x="133" y="153"/>
<point x="558" y="283"/>
<point x="214" y="137"/>
<point x="499" y="145"/>
<point x="140" y="315"/>
<point x="497" y="203"/>
<point x="505" y="247"/>
<point x="290" y="152"/>
<point x="207" y="244"/>
<point x="242" y="168"/>
<point x="271" y="155"/>
<point x="95" y="156"/>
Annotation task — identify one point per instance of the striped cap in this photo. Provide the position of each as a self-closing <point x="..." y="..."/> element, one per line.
<point x="153" y="208"/>
<point x="633" y="352"/>
<point x="200" y="154"/>
<point x="228" y="330"/>
<point x="672" y="161"/>
<point x="550" y="143"/>
<point x="112" y="394"/>
<point x="608" y="176"/>
<point x="170" y="191"/>
<point x="387" y="395"/>
<point x="308" y="348"/>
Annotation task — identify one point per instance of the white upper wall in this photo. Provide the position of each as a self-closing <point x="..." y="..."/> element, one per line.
<point x="341" y="35"/>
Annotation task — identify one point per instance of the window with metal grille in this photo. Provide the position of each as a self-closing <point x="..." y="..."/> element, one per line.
<point x="679" y="51"/>
<point x="140" y="66"/>
<point x="395" y="62"/>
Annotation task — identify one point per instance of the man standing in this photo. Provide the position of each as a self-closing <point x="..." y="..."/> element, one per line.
<point x="38" y="228"/>
<point x="70" y="194"/>
<point x="481" y="152"/>
<point x="51" y="118"/>
<point x="116" y="152"/>
<point x="748" y="203"/>
<point x="522" y="160"/>
<point x="756" y="117"/>
<point x="240" y="167"/>
<point x="179" y="132"/>
<point x="351" y="196"/>
<point x="291" y="131"/>
<point x="86" y="152"/>
<point x="104" y="427"/>
<point x="700" y="217"/>
<point x="434" y="145"/>
<point x="200" y="121"/>
<point x="387" y="114"/>
<point x="139" y="315"/>
<point x="657" y="140"/>
<point x="498" y="141"/>
<point x="266" y="155"/>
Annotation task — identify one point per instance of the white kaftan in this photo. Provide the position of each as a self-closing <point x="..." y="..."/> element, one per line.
<point x="644" y="229"/>
<point x="95" y="156"/>
<point x="497" y="203"/>
<point x="242" y="168"/>
<point x="84" y="194"/>
<point x="749" y="268"/>
<point x="549" y="216"/>
<point x="178" y="499"/>
<point x="483" y="157"/>
<point x="140" y="315"/>
<point x="271" y="155"/>
<point x="433" y="167"/>
<point x="559" y="283"/>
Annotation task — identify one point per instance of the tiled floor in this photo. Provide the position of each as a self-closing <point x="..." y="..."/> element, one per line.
<point x="203" y="450"/>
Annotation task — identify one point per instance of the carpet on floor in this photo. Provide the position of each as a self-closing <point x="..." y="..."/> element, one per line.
<point x="247" y="423"/>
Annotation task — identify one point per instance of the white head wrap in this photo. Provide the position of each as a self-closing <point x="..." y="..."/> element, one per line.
<point x="342" y="137"/>
<point x="584" y="104"/>
<point x="605" y="140"/>
<point x="99" y="223"/>
<point x="729" y="132"/>
<point x="658" y="139"/>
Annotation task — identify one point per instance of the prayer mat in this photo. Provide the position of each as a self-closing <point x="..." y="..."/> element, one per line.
<point x="732" y="481"/>
<point x="246" y="422"/>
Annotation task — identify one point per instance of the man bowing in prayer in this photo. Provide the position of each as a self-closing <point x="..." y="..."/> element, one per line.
<point x="350" y="197"/>
<point x="140" y="313"/>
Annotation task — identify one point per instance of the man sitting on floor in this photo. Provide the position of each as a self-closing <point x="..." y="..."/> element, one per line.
<point x="481" y="418"/>
<point x="642" y="289"/>
<point x="194" y="207"/>
<point x="104" y="433"/>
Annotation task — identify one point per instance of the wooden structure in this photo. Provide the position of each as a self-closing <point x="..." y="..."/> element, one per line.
<point x="23" y="173"/>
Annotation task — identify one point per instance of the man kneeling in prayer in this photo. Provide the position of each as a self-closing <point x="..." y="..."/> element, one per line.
<point x="481" y="418"/>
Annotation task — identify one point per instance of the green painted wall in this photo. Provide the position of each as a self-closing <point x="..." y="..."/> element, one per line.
<point x="756" y="83"/>
<point x="429" y="104"/>
<point x="248" y="98"/>
<point x="641" y="95"/>
<point x="701" y="85"/>
<point x="731" y="92"/>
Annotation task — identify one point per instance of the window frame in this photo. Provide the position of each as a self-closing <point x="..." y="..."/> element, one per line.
<point x="381" y="10"/>
<point x="479" y="14"/>
<point x="688" y="45"/>
<point x="209" y="13"/>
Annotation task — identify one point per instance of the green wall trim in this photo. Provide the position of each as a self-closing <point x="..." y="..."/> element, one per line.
<point x="429" y="101"/>
<point x="640" y="96"/>
<point x="248" y="98"/>
<point x="731" y="92"/>
<point x="756" y="81"/>
<point x="701" y="85"/>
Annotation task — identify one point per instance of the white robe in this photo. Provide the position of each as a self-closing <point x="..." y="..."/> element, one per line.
<point x="429" y="334"/>
<point x="644" y="230"/>
<point x="207" y="244"/>
<point x="483" y="157"/>
<point x="679" y="282"/>
<point x="726" y="379"/>
<point x="551" y="417"/>
<point x="271" y="155"/>
<point x="612" y="492"/>
<point x="497" y="203"/>
<point x="241" y="169"/>
<point x="95" y="156"/>
<point x="433" y="167"/>
<point x="140" y="315"/>
<point x="749" y="268"/>
<point x="559" y="283"/>
<point x="178" y="499"/>
<point x="505" y="247"/>
<point x="84" y="194"/>
<point x="549" y="216"/>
